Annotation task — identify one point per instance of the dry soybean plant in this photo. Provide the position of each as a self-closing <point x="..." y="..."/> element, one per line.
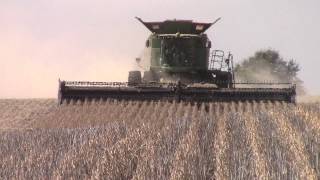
<point x="158" y="140"/>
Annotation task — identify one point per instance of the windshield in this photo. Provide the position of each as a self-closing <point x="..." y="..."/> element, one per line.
<point x="178" y="51"/>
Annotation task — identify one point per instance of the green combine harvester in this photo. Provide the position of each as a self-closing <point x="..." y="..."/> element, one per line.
<point x="181" y="68"/>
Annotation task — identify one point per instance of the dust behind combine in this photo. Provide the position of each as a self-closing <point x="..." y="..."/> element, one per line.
<point x="150" y="140"/>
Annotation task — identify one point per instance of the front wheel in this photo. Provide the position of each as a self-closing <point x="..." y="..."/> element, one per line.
<point x="134" y="78"/>
<point x="147" y="77"/>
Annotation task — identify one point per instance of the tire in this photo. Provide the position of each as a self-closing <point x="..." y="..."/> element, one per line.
<point x="147" y="76"/>
<point x="134" y="78"/>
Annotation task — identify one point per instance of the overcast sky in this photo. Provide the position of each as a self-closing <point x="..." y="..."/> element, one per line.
<point x="98" y="40"/>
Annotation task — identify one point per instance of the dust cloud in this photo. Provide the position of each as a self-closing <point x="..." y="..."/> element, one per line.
<point x="143" y="60"/>
<point x="261" y="72"/>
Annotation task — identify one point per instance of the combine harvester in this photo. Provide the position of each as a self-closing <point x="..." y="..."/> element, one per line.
<point x="182" y="68"/>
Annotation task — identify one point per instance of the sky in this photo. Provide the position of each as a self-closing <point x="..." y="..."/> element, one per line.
<point x="98" y="40"/>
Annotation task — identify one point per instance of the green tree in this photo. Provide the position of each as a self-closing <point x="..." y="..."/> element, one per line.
<point x="268" y="65"/>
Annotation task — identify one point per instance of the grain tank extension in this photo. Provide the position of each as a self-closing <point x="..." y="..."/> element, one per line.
<point x="181" y="67"/>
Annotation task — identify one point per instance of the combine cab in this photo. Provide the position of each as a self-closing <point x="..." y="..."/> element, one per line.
<point x="182" y="68"/>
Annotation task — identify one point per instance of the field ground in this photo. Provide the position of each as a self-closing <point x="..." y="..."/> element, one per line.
<point x="158" y="140"/>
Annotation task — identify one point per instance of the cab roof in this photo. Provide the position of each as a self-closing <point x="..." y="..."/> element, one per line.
<point x="177" y="26"/>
